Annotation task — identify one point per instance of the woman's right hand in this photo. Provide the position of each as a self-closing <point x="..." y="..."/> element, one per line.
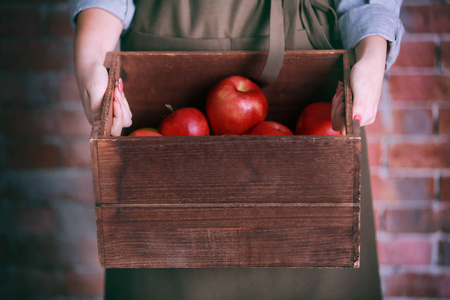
<point x="92" y="88"/>
<point x="98" y="32"/>
<point x="92" y="84"/>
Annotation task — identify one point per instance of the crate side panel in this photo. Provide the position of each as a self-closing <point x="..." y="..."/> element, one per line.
<point x="196" y="237"/>
<point x="152" y="80"/>
<point x="226" y="170"/>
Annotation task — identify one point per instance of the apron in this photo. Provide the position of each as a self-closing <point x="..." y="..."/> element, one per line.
<point x="223" y="25"/>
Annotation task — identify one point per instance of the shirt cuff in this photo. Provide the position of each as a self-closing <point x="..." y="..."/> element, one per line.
<point x="124" y="10"/>
<point x="372" y="19"/>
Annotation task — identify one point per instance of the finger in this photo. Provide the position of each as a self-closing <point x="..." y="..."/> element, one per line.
<point x="337" y="100"/>
<point x="117" y="123"/>
<point x="338" y="95"/>
<point x="339" y="87"/>
<point x="337" y="109"/>
<point x="94" y="92"/>
<point x="338" y="118"/>
<point x="359" y="108"/>
<point x="118" y="91"/>
<point x="127" y="113"/>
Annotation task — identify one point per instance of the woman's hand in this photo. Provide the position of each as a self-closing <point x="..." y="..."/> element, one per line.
<point x="366" y="78"/>
<point x="366" y="81"/>
<point x="122" y="113"/>
<point x="98" y="32"/>
<point x="92" y="83"/>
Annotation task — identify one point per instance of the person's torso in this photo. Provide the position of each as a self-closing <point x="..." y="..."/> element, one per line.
<point x="172" y="25"/>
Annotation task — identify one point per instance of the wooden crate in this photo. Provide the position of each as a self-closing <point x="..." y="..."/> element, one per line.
<point x="225" y="201"/>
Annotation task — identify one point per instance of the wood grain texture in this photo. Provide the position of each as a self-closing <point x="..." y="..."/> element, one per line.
<point x="227" y="236"/>
<point x="227" y="169"/>
<point x="152" y="80"/>
<point x="237" y="201"/>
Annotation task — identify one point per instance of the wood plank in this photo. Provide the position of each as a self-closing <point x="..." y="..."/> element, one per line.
<point x="228" y="169"/>
<point x="250" y="236"/>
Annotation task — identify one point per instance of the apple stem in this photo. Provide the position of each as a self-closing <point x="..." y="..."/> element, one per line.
<point x="169" y="107"/>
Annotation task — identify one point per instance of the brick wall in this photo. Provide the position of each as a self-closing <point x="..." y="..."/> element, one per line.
<point x="47" y="224"/>
<point x="409" y="148"/>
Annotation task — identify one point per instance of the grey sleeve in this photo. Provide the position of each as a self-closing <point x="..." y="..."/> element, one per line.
<point x="361" y="18"/>
<point x="123" y="9"/>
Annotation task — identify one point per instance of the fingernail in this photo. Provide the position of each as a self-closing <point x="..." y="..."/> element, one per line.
<point x="117" y="92"/>
<point x="120" y="85"/>
<point x="357" y="117"/>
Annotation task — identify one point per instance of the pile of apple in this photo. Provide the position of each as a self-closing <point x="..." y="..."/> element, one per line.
<point x="237" y="106"/>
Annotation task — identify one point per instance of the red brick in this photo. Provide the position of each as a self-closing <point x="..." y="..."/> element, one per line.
<point x="413" y="285"/>
<point x="444" y="253"/>
<point x="405" y="251"/>
<point x="37" y="282"/>
<point x="444" y="216"/>
<point x="445" y="189"/>
<point x="411" y="220"/>
<point x="33" y="87"/>
<point x="32" y="55"/>
<point x="20" y="22"/>
<point x="87" y="251"/>
<point x="379" y="218"/>
<point x="420" y="155"/>
<point x="419" y="87"/>
<point x="45" y="122"/>
<point x="75" y="185"/>
<point x="59" y="23"/>
<point x="378" y="127"/>
<point x="444" y="287"/>
<point x="412" y="121"/>
<point x="402" y="121"/>
<point x="85" y="283"/>
<point x="426" y="18"/>
<point x="402" y="188"/>
<point x="32" y="155"/>
<point x="445" y="54"/>
<point x="444" y="121"/>
<point x="375" y="154"/>
<point x="36" y="220"/>
<point x="82" y="214"/>
<point x="68" y="88"/>
<point x="76" y="153"/>
<point x="41" y="251"/>
<point x="417" y="54"/>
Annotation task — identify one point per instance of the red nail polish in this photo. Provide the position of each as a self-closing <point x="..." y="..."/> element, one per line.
<point x="120" y="85"/>
<point x="357" y="117"/>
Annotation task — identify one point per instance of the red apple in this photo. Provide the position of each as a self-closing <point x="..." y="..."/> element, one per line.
<point x="235" y="105"/>
<point x="270" y="128"/>
<point x="315" y="119"/>
<point x="145" y="132"/>
<point x="188" y="121"/>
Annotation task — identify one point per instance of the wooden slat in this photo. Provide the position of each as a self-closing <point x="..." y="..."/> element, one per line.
<point x="227" y="169"/>
<point x="241" y="236"/>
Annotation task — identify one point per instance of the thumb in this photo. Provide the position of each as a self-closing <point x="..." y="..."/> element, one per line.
<point x="95" y="91"/>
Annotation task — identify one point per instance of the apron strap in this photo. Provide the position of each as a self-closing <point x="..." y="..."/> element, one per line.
<point x="276" y="45"/>
<point x="316" y="35"/>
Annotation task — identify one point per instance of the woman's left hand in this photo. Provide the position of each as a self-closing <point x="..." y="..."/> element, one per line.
<point x="366" y="81"/>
